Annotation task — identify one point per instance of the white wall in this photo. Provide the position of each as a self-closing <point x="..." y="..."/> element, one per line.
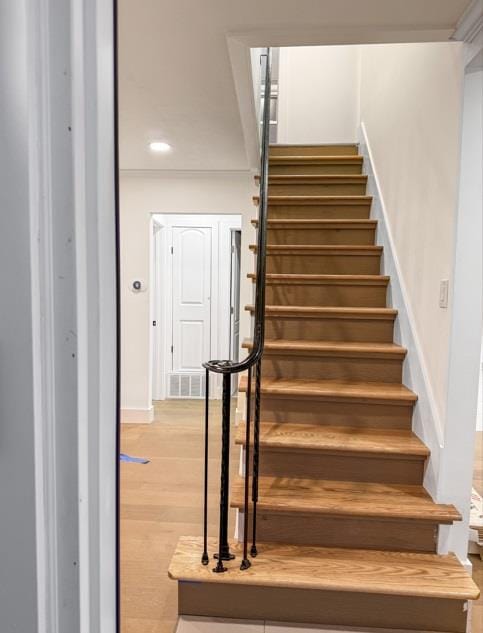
<point x="411" y="97"/>
<point x="318" y="94"/>
<point x="141" y="195"/>
<point x="464" y="352"/>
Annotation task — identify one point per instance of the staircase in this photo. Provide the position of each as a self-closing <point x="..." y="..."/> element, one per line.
<point x="347" y="533"/>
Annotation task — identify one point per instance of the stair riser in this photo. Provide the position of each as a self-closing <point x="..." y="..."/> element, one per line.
<point x="316" y="236"/>
<point x="326" y="295"/>
<point x="317" y="189"/>
<point x="324" y="264"/>
<point x="356" y="533"/>
<point x="319" y="212"/>
<point x="346" y="467"/>
<point x="332" y="368"/>
<point x="312" y="606"/>
<point x="314" y="150"/>
<point x="316" y="411"/>
<point x="350" y="330"/>
<point x="291" y="169"/>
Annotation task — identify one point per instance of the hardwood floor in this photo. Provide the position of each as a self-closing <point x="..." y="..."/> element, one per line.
<point x="161" y="501"/>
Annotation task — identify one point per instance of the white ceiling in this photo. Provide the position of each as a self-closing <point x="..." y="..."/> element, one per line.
<point x="176" y="82"/>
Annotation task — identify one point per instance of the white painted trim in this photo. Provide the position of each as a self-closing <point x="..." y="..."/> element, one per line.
<point x="160" y="345"/>
<point x="471" y="23"/>
<point x="137" y="416"/>
<point x="92" y="51"/>
<point x="426" y="420"/>
<point x="43" y="339"/>
<point x="156" y="293"/>
<point x="456" y="473"/>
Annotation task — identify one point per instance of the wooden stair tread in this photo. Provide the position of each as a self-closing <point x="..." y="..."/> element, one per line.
<point x="327" y="312"/>
<point x="315" y="178"/>
<point x="335" y="389"/>
<point x="318" y="223"/>
<point x="346" y="499"/>
<point x="337" y="439"/>
<point x="331" y="569"/>
<point x="338" y="348"/>
<point x="317" y="200"/>
<point x="355" y="280"/>
<point x="350" y="159"/>
<point x="314" y="249"/>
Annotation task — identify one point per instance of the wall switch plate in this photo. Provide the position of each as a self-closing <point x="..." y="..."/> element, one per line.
<point x="443" y="293"/>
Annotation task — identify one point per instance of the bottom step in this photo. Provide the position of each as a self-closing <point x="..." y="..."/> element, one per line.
<point x="342" y="587"/>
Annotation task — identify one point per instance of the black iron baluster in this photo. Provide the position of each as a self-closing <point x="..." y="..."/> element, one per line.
<point x="245" y="564"/>
<point x="205" y="558"/>
<point x="227" y="368"/>
<point x="256" y="457"/>
<point x="224" y="548"/>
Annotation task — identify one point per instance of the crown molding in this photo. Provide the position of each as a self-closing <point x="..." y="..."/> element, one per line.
<point x="470" y="24"/>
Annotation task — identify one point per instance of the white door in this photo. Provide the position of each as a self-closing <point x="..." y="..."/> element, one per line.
<point x="191" y="253"/>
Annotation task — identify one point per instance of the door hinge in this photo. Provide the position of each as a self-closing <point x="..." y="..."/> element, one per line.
<point x="232" y="310"/>
<point x="172" y="250"/>
<point x="172" y="349"/>
<point x="154" y="323"/>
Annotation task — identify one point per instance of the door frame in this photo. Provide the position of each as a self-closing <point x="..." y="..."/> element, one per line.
<point x="161" y="290"/>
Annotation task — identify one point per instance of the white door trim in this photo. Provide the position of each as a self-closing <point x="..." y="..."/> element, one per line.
<point x="72" y="242"/>
<point x="160" y="344"/>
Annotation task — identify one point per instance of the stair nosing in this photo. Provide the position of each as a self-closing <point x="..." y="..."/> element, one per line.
<point x="355" y="280"/>
<point x="185" y="566"/>
<point x="331" y="348"/>
<point x="317" y="159"/>
<point x="317" y="200"/>
<point x="418" y="452"/>
<point x="336" y="312"/>
<point x="360" y="224"/>
<point x="349" y="250"/>
<point x="311" y="178"/>
<point x="338" y="390"/>
<point x="394" y="511"/>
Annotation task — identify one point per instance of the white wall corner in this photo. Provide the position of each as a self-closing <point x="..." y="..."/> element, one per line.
<point x="241" y="64"/>
<point x="137" y="416"/>
<point x="426" y="418"/>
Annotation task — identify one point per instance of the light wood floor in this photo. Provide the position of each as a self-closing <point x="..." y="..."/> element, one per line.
<point x="162" y="500"/>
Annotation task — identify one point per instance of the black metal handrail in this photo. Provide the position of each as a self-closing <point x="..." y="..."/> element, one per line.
<point x="228" y="367"/>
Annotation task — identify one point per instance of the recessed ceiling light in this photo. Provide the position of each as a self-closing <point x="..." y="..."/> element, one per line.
<point x="159" y="146"/>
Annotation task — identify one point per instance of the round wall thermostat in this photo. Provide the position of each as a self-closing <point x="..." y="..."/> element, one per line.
<point x="138" y="286"/>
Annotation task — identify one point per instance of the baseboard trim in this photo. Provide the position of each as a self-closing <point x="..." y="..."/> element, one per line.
<point x="137" y="416"/>
<point x="426" y="420"/>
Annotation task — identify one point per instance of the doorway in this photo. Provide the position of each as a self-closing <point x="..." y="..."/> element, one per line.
<point x="195" y="286"/>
